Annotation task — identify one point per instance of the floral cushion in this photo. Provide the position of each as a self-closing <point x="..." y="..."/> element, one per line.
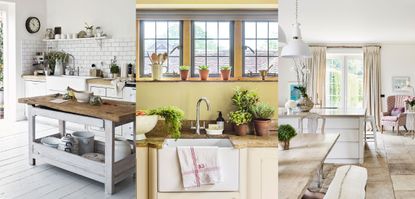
<point x="397" y="111"/>
<point x="390" y="118"/>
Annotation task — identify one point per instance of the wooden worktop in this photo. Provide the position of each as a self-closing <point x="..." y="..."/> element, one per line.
<point x="298" y="165"/>
<point x="116" y="111"/>
<point x="238" y="142"/>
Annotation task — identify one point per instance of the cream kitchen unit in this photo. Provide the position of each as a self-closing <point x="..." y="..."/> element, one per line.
<point x="249" y="170"/>
<point x="349" y="148"/>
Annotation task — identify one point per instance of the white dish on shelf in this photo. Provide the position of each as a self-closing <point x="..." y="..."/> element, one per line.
<point x="94" y="156"/>
<point x="50" y="142"/>
<point x="214" y="131"/>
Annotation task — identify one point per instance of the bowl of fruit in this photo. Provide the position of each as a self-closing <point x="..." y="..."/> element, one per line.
<point x="144" y="124"/>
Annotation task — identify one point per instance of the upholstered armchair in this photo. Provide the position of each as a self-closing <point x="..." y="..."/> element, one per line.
<point x="395" y="115"/>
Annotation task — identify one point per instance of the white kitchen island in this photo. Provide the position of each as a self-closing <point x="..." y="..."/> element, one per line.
<point x="349" y="124"/>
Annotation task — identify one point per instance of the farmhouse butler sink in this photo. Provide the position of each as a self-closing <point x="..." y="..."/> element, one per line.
<point x="58" y="84"/>
<point x="169" y="175"/>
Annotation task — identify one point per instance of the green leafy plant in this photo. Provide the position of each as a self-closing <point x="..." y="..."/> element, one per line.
<point x="88" y="27"/>
<point x="240" y="117"/>
<point x="262" y="111"/>
<point x="52" y="56"/>
<point x="114" y="68"/>
<point x="203" y="67"/>
<point x="173" y="118"/>
<point x="184" y="67"/>
<point x="225" y="67"/>
<point x="286" y="132"/>
<point x="244" y="99"/>
<point x="1" y="76"/>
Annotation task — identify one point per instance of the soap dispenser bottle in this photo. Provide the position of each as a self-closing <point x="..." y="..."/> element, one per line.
<point x="220" y="121"/>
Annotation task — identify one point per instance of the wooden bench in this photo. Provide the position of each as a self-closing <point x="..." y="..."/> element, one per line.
<point x="348" y="182"/>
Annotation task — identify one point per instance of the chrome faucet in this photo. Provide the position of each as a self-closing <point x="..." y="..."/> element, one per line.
<point x="198" y="127"/>
<point x="72" y="69"/>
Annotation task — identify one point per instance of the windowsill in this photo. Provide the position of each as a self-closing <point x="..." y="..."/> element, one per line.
<point x="211" y="79"/>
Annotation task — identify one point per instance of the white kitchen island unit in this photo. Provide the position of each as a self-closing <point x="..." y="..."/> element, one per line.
<point x="108" y="116"/>
<point x="349" y="124"/>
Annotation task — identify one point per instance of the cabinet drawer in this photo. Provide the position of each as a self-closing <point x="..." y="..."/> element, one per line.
<point x="98" y="91"/>
<point x="113" y="93"/>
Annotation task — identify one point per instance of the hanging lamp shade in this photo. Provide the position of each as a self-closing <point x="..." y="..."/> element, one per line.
<point x="296" y="48"/>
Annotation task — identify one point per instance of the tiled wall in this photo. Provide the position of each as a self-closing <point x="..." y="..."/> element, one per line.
<point x="88" y="52"/>
<point x="29" y="49"/>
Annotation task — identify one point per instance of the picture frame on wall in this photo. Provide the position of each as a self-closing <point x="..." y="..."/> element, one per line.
<point x="294" y="93"/>
<point x="399" y="83"/>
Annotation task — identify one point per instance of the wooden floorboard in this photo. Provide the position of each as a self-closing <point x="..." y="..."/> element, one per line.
<point x="19" y="180"/>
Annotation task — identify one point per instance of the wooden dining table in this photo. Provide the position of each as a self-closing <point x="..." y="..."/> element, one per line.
<point x="298" y="165"/>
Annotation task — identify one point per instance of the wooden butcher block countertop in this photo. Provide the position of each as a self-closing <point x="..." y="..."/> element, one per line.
<point x="116" y="111"/>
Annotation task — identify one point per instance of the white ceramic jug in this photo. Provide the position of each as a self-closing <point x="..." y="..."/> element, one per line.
<point x="122" y="149"/>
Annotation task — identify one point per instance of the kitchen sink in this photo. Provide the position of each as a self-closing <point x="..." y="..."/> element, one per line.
<point x="169" y="174"/>
<point x="198" y="142"/>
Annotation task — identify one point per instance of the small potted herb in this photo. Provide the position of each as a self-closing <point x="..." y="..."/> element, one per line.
<point x="204" y="72"/>
<point x="285" y="133"/>
<point x="89" y="30"/>
<point x="184" y="72"/>
<point x="262" y="114"/>
<point x="225" y="72"/>
<point x="173" y="119"/>
<point x="114" y="68"/>
<point x="240" y="119"/>
<point x="244" y="99"/>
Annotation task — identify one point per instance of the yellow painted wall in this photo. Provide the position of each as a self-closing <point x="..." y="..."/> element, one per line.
<point x="185" y="95"/>
<point x="207" y="1"/>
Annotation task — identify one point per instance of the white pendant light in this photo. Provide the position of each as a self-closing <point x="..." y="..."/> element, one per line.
<point x="296" y="48"/>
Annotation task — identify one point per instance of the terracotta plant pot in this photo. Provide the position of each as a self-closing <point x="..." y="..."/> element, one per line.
<point x="262" y="127"/>
<point x="204" y="74"/>
<point x="184" y="74"/>
<point x="284" y="145"/>
<point x="226" y="74"/>
<point x="241" y="130"/>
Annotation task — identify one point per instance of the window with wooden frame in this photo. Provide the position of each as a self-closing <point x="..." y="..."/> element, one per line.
<point x="160" y="37"/>
<point x="212" y="46"/>
<point x="260" y="47"/>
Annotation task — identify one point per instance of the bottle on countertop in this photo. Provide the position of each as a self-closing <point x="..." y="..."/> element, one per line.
<point x="220" y="121"/>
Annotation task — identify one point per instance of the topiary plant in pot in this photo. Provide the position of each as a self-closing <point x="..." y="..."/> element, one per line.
<point x="285" y="133"/>
<point x="184" y="72"/>
<point x="262" y="113"/>
<point x="240" y="119"/>
<point x="204" y="72"/>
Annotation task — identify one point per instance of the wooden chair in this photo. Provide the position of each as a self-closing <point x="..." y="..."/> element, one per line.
<point x="312" y="120"/>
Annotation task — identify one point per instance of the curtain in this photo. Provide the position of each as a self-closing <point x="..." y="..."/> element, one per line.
<point x="371" y="81"/>
<point x="317" y="81"/>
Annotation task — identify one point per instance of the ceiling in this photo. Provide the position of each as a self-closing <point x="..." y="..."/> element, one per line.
<point x="339" y="21"/>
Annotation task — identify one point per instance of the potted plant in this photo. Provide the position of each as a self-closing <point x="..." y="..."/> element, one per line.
<point x="285" y="133"/>
<point x="304" y="103"/>
<point x="225" y="72"/>
<point x="244" y="99"/>
<point x="56" y="60"/>
<point x="89" y="30"/>
<point x="114" y="68"/>
<point x="240" y="119"/>
<point x="262" y="114"/>
<point x="184" y="72"/>
<point x="204" y="72"/>
<point x="1" y="87"/>
<point x="173" y="119"/>
<point x="410" y="101"/>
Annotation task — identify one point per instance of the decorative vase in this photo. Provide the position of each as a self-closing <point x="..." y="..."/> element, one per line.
<point x="184" y="74"/>
<point x="241" y="130"/>
<point x="58" y="67"/>
<point x="156" y="71"/>
<point x="262" y="127"/>
<point x="305" y="104"/>
<point x="226" y="74"/>
<point x="263" y="74"/>
<point x="284" y="145"/>
<point x="204" y="74"/>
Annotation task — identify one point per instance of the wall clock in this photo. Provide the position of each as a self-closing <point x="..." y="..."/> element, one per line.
<point x="32" y="25"/>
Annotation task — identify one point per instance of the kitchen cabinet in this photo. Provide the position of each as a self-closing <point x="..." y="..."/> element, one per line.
<point x="109" y="92"/>
<point x="33" y="89"/>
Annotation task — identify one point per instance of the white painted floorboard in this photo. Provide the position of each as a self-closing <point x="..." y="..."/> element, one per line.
<point x="20" y="180"/>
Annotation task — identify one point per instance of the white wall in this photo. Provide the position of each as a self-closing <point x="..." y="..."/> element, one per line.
<point x="354" y="22"/>
<point x="116" y="17"/>
<point x="18" y="12"/>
